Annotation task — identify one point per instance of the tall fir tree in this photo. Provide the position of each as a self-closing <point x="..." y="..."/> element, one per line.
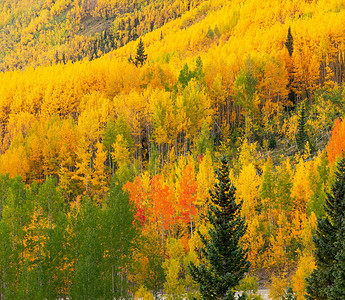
<point x="289" y="47"/>
<point x="327" y="280"/>
<point x="140" y="57"/>
<point x="289" y="42"/>
<point x="227" y="261"/>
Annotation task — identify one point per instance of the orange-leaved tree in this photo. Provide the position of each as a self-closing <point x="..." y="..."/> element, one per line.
<point x="188" y="196"/>
<point x="336" y="144"/>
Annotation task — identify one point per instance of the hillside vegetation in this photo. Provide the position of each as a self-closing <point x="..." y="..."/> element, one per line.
<point x="45" y="32"/>
<point x="116" y="159"/>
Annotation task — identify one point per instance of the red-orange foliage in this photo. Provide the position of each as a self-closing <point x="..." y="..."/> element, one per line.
<point x="336" y="145"/>
<point x="188" y="195"/>
<point x="138" y="196"/>
<point x="161" y="197"/>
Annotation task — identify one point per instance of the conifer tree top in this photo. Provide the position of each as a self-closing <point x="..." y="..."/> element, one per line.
<point x="227" y="260"/>
<point x="289" y="42"/>
<point x="140" y="57"/>
<point x="327" y="280"/>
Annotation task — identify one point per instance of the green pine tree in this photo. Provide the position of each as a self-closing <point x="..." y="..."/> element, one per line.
<point x="140" y="57"/>
<point x="327" y="280"/>
<point x="337" y="291"/>
<point x="289" y="42"/>
<point x="226" y="259"/>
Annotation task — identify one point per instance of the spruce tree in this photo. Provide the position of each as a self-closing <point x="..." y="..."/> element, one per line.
<point x="226" y="259"/>
<point x="289" y="42"/>
<point x="327" y="280"/>
<point x="140" y="57"/>
<point x="289" y="46"/>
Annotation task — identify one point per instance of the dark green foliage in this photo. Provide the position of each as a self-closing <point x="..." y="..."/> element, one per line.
<point x="290" y="295"/>
<point x="337" y="291"/>
<point x="140" y="57"/>
<point x="327" y="280"/>
<point x="301" y="136"/>
<point x="186" y="75"/>
<point x="272" y="142"/>
<point x="226" y="261"/>
<point x="289" y="42"/>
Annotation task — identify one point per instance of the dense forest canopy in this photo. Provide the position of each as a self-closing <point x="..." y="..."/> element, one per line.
<point x="114" y="115"/>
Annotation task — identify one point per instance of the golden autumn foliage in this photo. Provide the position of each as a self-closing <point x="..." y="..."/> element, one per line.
<point x="219" y="80"/>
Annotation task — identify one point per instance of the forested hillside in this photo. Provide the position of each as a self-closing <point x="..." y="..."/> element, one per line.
<point x="46" y="32"/>
<point x="114" y="116"/>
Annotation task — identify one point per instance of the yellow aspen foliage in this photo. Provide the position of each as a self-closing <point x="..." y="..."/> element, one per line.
<point x="164" y="118"/>
<point x="205" y="179"/>
<point x="297" y="225"/>
<point x="35" y="156"/>
<point x="15" y="162"/>
<point x="143" y="294"/>
<point x="306" y="264"/>
<point x="121" y="153"/>
<point x="174" y="285"/>
<point x="279" y="243"/>
<point x="194" y="109"/>
<point x="18" y="124"/>
<point x="309" y="230"/>
<point x="301" y="191"/>
<point x="83" y="167"/>
<point x="95" y="113"/>
<point x="278" y="286"/>
<point x="247" y="190"/>
<point x="36" y="236"/>
<point x="255" y="242"/>
<point x="289" y="129"/>
<point x="247" y="154"/>
<point x="99" y="176"/>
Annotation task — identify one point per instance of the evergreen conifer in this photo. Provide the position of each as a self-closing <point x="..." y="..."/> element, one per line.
<point x="226" y="259"/>
<point x="327" y="280"/>
<point x="289" y="42"/>
<point x="140" y="57"/>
